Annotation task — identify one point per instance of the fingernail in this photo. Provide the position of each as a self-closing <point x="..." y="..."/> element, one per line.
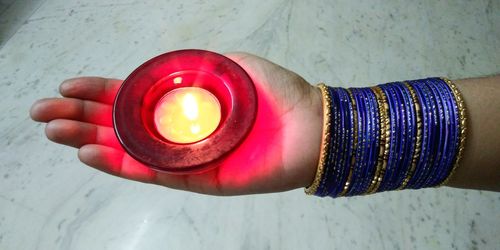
<point x="65" y="85"/>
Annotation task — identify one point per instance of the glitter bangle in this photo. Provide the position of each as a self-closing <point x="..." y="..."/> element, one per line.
<point x="324" y="140"/>
<point x="384" y="139"/>
<point x="352" y="156"/>
<point x="462" y="113"/>
<point x="417" y="139"/>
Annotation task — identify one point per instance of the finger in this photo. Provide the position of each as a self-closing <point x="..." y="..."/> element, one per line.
<point x="49" y="109"/>
<point x="77" y="134"/>
<point x="91" y="88"/>
<point x="117" y="162"/>
<point x="112" y="161"/>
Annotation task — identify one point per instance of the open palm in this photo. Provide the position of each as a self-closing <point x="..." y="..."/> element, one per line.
<point x="280" y="152"/>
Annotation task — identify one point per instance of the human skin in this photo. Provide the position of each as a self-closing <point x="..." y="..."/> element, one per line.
<point x="282" y="150"/>
<point x="279" y="153"/>
<point x="480" y="165"/>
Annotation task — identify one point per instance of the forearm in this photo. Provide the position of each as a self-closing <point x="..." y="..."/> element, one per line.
<point x="479" y="167"/>
<point x="409" y="135"/>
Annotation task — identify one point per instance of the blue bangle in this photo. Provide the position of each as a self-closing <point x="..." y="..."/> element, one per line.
<point x="374" y="124"/>
<point x="360" y="154"/>
<point x="441" y="130"/>
<point x="331" y="172"/>
<point x="351" y="177"/>
<point x="333" y="158"/>
<point x="409" y="134"/>
<point x="430" y="160"/>
<point x="346" y="141"/>
<point x="393" y="136"/>
<point x="450" y="124"/>
<point x="427" y="135"/>
<point x="455" y="131"/>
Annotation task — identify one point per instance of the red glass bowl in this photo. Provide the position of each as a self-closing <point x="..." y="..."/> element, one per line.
<point x="134" y="106"/>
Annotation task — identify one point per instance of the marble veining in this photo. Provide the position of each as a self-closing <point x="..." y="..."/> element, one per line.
<point x="49" y="200"/>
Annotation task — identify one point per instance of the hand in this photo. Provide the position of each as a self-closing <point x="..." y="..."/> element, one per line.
<point x="280" y="153"/>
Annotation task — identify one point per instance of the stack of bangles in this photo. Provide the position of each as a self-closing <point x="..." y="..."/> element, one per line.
<point x="393" y="136"/>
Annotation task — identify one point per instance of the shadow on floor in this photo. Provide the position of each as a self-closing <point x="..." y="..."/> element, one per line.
<point x="13" y="13"/>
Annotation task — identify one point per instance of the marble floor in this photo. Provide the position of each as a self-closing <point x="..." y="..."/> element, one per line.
<point x="49" y="200"/>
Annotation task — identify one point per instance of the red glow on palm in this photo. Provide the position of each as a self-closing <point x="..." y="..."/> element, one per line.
<point x="253" y="160"/>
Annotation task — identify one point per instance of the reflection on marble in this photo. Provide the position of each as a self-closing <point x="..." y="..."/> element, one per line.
<point x="49" y="200"/>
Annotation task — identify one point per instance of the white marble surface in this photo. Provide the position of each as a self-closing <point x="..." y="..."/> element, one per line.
<point x="49" y="200"/>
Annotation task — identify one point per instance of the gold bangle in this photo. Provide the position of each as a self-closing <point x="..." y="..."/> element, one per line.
<point x="463" y="127"/>
<point x="385" y="135"/>
<point x="355" y="142"/>
<point x="418" y="137"/>
<point x="325" y="140"/>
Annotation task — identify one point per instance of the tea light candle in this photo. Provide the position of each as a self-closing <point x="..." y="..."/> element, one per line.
<point x="187" y="115"/>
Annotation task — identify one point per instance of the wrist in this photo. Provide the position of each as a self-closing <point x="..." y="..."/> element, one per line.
<point x="314" y="136"/>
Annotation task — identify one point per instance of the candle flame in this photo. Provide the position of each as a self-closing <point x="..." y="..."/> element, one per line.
<point x="190" y="106"/>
